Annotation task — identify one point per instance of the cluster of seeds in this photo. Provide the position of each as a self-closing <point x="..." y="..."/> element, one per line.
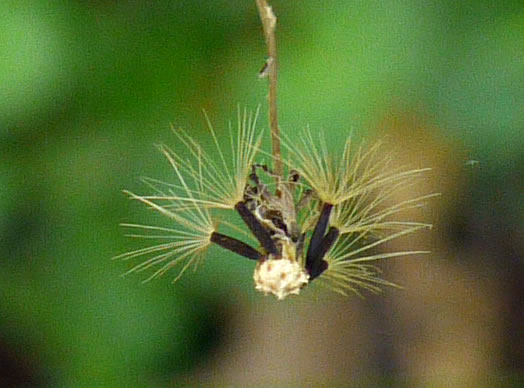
<point x="323" y="221"/>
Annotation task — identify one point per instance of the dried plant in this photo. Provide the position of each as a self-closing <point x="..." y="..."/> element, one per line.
<point x="315" y="214"/>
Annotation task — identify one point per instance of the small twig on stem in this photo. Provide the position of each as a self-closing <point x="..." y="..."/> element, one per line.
<point x="269" y="22"/>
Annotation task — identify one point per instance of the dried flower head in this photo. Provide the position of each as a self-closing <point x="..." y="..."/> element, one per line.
<point x="322" y="221"/>
<point x="317" y="214"/>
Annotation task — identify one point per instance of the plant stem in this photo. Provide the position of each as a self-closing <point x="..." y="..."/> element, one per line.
<point x="269" y="22"/>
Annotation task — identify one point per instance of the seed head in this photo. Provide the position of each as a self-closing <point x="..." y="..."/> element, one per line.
<point x="327" y="220"/>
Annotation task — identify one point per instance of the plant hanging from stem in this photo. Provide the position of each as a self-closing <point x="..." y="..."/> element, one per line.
<point x="313" y="215"/>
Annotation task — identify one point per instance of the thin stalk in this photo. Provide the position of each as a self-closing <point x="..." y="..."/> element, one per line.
<point x="269" y="22"/>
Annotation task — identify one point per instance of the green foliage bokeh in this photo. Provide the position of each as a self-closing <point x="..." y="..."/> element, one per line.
<point x="87" y="88"/>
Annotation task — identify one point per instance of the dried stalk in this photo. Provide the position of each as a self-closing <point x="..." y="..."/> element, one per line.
<point x="269" y="22"/>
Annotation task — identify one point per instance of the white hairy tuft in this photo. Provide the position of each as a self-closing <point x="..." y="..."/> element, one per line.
<point x="281" y="277"/>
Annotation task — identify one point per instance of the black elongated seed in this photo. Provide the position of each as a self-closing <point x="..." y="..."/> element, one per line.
<point x="236" y="246"/>
<point x="328" y="241"/>
<point x="258" y="230"/>
<point x="318" y="235"/>
<point x="319" y="265"/>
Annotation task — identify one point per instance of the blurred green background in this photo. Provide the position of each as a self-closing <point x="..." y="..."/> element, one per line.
<point x="88" y="87"/>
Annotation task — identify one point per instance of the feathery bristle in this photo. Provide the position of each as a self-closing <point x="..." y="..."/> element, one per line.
<point x="369" y="211"/>
<point x="333" y="180"/>
<point x="348" y="267"/>
<point x="350" y="277"/>
<point x="362" y="186"/>
<point x="201" y="183"/>
<point x="207" y="181"/>
<point x="187" y="243"/>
